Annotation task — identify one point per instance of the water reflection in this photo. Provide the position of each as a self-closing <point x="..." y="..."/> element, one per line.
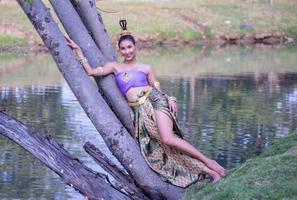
<point x="233" y="103"/>
<point x="233" y="119"/>
<point x="52" y="110"/>
<point x="19" y="70"/>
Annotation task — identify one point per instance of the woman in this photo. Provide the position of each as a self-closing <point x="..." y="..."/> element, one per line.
<point x="160" y="138"/>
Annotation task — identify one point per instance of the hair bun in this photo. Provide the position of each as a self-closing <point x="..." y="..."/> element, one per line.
<point x="123" y="24"/>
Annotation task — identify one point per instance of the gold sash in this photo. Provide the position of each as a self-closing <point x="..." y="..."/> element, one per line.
<point x="142" y="99"/>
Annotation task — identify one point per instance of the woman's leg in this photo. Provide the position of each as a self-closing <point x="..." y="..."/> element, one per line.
<point x="165" y="126"/>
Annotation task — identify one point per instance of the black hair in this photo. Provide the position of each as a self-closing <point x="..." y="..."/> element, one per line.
<point x="126" y="35"/>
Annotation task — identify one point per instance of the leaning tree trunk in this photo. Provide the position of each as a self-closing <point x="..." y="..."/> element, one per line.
<point x="113" y="132"/>
<point x="78" y="32"/>
<point x="70" y="169"/>
<point x="93" y="22"/>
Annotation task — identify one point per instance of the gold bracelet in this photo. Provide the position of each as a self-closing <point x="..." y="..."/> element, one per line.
<point x="157" y="84"/>
<point x="172" y="98"/>
<point x="101" y="70"/>
<point x="83" y="60"/>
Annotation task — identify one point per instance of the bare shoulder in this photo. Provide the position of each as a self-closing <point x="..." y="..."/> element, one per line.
<point x="114" y="66"/>
<point x="111" y="64"/>
<point x="146" y="67"/>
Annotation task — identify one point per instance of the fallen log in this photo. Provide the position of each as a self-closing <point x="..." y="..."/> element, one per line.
<point x="83" y="179"/>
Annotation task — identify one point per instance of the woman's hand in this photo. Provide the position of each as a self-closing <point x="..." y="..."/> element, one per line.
<point x="71" y="43"/>
<point x="172" y="106"/>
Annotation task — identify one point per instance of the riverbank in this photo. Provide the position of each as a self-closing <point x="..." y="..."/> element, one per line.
<point x="272" y="175"/>
<point x="172" y="23"/>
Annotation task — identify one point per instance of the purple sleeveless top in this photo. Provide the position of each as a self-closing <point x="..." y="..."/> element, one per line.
<point x="131" y="78"/>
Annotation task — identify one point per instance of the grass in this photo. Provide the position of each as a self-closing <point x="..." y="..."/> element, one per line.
<point x="291" y="31"/>
<point x="272" y="175"/>
<point x="7" y="40"/>
<point x="224" y="17"/>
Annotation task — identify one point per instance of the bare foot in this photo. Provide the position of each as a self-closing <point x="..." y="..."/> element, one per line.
<point x="217" y="168"/>
<point x="215" y="176"/>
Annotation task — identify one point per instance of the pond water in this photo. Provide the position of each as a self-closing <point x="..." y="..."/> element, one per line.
<point x="233" y="104"/>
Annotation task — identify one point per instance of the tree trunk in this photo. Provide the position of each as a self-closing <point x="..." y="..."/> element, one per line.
<point x="107" y="85"/>
<point x="53" y="155"/>
<point x="119" y="141"/>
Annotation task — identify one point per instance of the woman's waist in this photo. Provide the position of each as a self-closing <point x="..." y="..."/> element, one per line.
<point x="135" y="93"/>
<point x="149" y="93"/>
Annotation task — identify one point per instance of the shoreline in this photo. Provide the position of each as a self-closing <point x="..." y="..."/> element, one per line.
<point x="172" y="25"/>
<point x="268" y="40"/>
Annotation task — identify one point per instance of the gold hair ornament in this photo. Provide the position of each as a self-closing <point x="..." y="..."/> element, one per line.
<point x="123" y="24"/>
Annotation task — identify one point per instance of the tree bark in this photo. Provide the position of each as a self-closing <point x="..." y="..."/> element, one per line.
<point x="93" y="21"/>
<point x="119" y="141"/>
<point x="53" y="155"/>
<point x="75" y="28"/>
<point x="127" y="183"/>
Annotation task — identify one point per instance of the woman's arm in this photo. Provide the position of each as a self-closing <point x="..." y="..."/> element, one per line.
<point x="155" y="83"/>
<point x="152" y="78"/>
<point x="107" y="68"/>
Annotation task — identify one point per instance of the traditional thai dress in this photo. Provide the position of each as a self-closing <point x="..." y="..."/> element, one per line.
<point x="173" y="166"/>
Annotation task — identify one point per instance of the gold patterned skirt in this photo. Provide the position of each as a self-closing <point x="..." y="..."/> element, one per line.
<point x="173" y="166"/>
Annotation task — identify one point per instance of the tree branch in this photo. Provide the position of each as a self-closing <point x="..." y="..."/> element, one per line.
<point x="94" y="23"/>
<point x="126" y="182"/>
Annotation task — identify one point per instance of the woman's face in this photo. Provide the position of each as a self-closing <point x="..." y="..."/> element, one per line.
<point x="128" y="50"/>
